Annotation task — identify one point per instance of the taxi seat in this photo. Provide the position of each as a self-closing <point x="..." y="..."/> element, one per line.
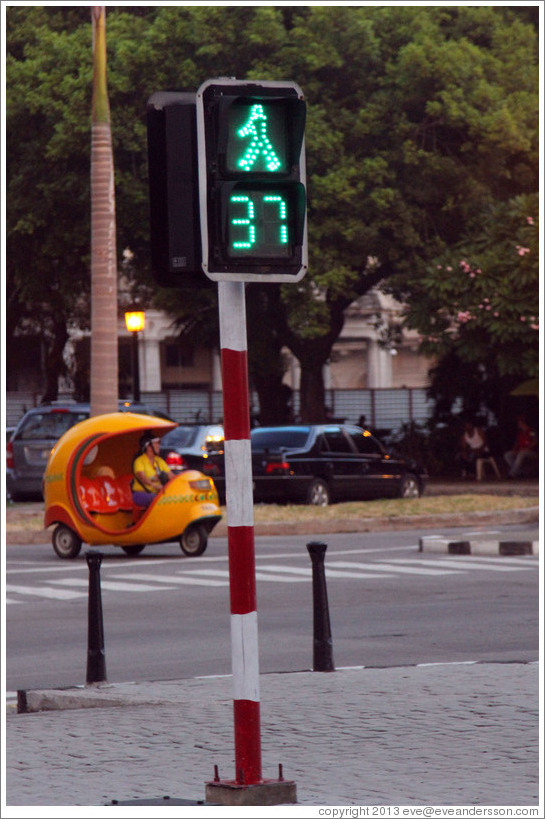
<point x="124" y="493"/>
<point x="93" y="496"/>
<point x="107" y="495"/>
<point x="108" y="491"/>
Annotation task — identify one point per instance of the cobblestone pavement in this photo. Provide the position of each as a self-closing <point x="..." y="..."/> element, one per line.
<point x="449" y="734"/>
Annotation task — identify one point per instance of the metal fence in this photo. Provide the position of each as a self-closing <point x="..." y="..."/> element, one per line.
<point x="384" y="409"/>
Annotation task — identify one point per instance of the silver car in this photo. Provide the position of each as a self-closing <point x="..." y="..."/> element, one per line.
<point x="27" y="452"/>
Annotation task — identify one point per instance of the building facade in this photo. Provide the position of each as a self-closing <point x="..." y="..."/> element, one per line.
<point x="369" y="354"/>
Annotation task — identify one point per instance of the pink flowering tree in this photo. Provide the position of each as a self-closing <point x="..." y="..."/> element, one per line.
<point x="479" y="302"/>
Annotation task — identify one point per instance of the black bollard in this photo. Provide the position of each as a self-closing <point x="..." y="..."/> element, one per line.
<point x="323" y="646"/>
<point x="96" y="660"/>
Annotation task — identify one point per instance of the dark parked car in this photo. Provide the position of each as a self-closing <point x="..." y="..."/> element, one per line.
<point x="321" y="463"/>
<point x="39" y="429"/>
<point x="196" y="446"/>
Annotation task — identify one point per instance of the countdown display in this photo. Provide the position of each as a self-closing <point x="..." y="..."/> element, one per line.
<point x="258" y="224"/>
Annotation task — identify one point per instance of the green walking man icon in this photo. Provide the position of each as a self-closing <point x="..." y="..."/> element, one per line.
<point x="260" y="144"/>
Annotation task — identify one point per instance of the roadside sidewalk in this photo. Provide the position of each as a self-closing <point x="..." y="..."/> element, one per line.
<point x="450" y="734"/>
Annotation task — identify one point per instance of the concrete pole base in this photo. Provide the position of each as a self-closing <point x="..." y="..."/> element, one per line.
<point x="268" y="792"/>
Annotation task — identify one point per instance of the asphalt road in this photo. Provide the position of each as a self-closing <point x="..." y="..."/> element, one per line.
<point x="167" y="616"/>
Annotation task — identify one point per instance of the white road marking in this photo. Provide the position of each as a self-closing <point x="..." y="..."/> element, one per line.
<point x="260" y="574"/>
<point x="44" y="591"/>
<point x="182" y="581"/>
<point x="109" y="585"/>
<point x="379" y="567"/>
<point x="471" y="563"/>
<point x="329" y="572"/>
<point x="202" y="574"/>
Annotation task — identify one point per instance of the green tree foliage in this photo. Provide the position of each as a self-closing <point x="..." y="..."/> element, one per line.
<point x="480" y="298"/>
<point x="477" y="307"/>
<point x="47" y="226"/>
<point x="420" y="118"/>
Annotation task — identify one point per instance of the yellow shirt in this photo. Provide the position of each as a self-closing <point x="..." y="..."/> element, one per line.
<point x="150" y="469"/>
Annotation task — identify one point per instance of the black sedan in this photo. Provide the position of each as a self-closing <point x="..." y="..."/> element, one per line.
<point x="321" y="463"/>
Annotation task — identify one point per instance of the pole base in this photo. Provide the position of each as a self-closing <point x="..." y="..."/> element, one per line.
<point x="268" y="792"/>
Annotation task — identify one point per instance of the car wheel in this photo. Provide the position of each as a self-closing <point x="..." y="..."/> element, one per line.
<point x="134" y="550"/>
<point x="65" y="542"/>
<point x="410" y="488"/>
<point x="318" y="493"/>
<point x="194" y="540"/>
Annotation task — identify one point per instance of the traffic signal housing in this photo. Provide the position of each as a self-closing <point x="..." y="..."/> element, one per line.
<point x="173" y="190"/>
<point x="252" y="180"/>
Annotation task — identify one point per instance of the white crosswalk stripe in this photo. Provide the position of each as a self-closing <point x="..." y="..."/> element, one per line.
<point x="44" y="591"/>
<point x="392" y="567"/>
<point x="329" y="572"/>
<point x="108" y="585"/>
<point x="278" y="578"/>
<point x="527" y="562"/>
<point x="135" y="581"/>
<point x="471" y="563"/>
<point x="181" y="581"/>
<point x="261" y="574"/>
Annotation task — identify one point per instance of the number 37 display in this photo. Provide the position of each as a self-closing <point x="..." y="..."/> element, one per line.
<point x="252" y="183"/>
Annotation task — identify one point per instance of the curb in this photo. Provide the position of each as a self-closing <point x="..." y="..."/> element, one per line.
<point x="103" y="695"/>
<point x="167" y="692"/>
<point x="317" y="527"/>
<point x="440" y="545"/>
<point x="399" y="522"/>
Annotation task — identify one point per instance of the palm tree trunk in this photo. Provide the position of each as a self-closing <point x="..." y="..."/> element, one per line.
<point x="104" y="357"/>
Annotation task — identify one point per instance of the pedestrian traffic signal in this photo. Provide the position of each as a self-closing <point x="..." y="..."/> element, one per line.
<point x="252" y="184"/>
<point x="173" y="188"/>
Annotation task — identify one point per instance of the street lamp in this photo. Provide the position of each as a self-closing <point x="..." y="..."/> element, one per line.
<point x="135" y="321"/>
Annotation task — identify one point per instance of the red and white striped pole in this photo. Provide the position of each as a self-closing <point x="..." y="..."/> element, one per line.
<point x="240" y="532"/>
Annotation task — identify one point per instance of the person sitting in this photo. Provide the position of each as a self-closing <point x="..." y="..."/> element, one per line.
<point x="151" y="472"/>
<point x="524" y="449"/>
<point x="473" y="445"/>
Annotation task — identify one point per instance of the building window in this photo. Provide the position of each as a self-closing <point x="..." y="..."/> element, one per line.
<point x="178" y="355"/>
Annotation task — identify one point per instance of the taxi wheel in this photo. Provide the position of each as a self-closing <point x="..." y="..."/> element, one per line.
<point x="65" y="542"/>
<point x="194" y="540"/>
<point x="134" y="550"/>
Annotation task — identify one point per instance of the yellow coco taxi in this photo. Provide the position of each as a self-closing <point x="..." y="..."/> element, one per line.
<point x="88" y="498"/>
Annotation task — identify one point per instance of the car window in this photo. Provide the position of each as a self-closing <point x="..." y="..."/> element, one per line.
<point x="337" y="441"/>
<point x="323" y="446"/>
<point x="365" y="443"/>
<point x="181" y="436"/>
<point x="50" y="425"/>
<point x="286" y="438"/>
